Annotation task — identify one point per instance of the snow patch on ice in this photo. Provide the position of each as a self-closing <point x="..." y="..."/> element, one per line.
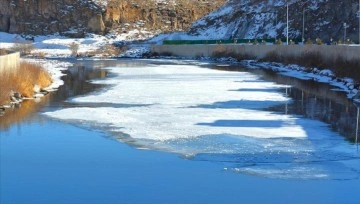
<point x="171" y="102"/>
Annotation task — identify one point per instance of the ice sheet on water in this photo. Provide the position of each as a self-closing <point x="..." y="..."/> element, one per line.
<point x="284" y="158"/>
<point x="326" y="170"/>
<point x="211" y="115"/>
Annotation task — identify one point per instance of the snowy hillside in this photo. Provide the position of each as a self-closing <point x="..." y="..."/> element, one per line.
<point x="267" y="19"/>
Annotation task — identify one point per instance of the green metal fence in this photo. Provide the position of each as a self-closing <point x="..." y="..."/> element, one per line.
<point x="233" y="41"/>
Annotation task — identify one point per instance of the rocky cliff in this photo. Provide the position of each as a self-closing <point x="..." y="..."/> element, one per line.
<point x="158" y="15"/>
<point x="76" y="17"/>
<point x="49" y="16"/>
<point x="322" y="19"/>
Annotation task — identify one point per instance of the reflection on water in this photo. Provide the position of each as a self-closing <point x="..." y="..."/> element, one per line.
<point x="76" y="83"/>
<point x="22" y="113"/>
<point x="313" y="100"/>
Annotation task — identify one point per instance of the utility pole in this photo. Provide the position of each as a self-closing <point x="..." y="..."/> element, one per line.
<point x="303" y="25"/>
<point x="359" y="20"/>
<point x="345" y="27"/>
<point x="287" y="23"/>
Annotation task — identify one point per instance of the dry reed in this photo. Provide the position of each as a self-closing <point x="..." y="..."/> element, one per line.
<point x="23" y="81"/>
<point x="340" y="66"/>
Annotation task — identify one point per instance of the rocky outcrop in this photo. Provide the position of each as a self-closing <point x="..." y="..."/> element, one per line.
<point x="96" y="24"/>
<point x="76" y="17"/>
<point x="157" y="15"/>
<point x="48" y="16"/>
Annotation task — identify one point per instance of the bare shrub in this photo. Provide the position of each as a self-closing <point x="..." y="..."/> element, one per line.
<point x="309" y="41"/>
<point x="111" y="50"/>
<point x="272" y="56"/>
<point x="74" y="48"/>
<point x="39" y="54"/>
<point x="319" y="41"/>
<point x="278" y="42"/>
<point x="108" y="50"/>
<point x="306" y="59"/>
<point x="90" y="53"/>
<point x="221" y="51"/>
<point x="238" y="56"/>
<point x="24" y="48"/>
<point x="122" y="48"/>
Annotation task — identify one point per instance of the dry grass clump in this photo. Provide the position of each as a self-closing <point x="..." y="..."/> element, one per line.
<point x="340" y="66"/>
<point x="346" y="68"/>
<point x="220" y="51"/>
<point x="108" y="50"/>
<point x="306" y="59"/>
<point x="4" y="89"/>
<point x="23" y="80"/>
<point x="112" y="50"/>
<point x="3" y="52"/>
<point x="41" y="55"/>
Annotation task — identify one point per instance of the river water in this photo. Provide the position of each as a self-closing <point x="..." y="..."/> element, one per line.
<point x="181" y="132"/>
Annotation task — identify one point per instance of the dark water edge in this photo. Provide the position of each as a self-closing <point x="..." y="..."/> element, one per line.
<point x="313" y="100"/>
<point x="76" y="82"/>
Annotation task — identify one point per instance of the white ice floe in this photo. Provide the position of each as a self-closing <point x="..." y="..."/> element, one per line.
<point x="213" y="115"/>
<point x="171" y="102"/>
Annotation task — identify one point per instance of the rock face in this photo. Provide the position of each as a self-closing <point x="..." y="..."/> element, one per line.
<point x="47" y="16"/>
<point x="96" y="24"/>
<point x="171" y="15"/>
<point x="75" y="17"/>
<point x="323" y="19"/>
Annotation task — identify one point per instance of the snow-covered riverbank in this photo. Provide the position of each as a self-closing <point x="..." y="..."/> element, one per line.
<point x="55" y="46"/>
<point x="319" y="75"/>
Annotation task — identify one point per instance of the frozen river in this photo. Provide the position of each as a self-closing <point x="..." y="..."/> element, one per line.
<point x="285" y="139"/>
